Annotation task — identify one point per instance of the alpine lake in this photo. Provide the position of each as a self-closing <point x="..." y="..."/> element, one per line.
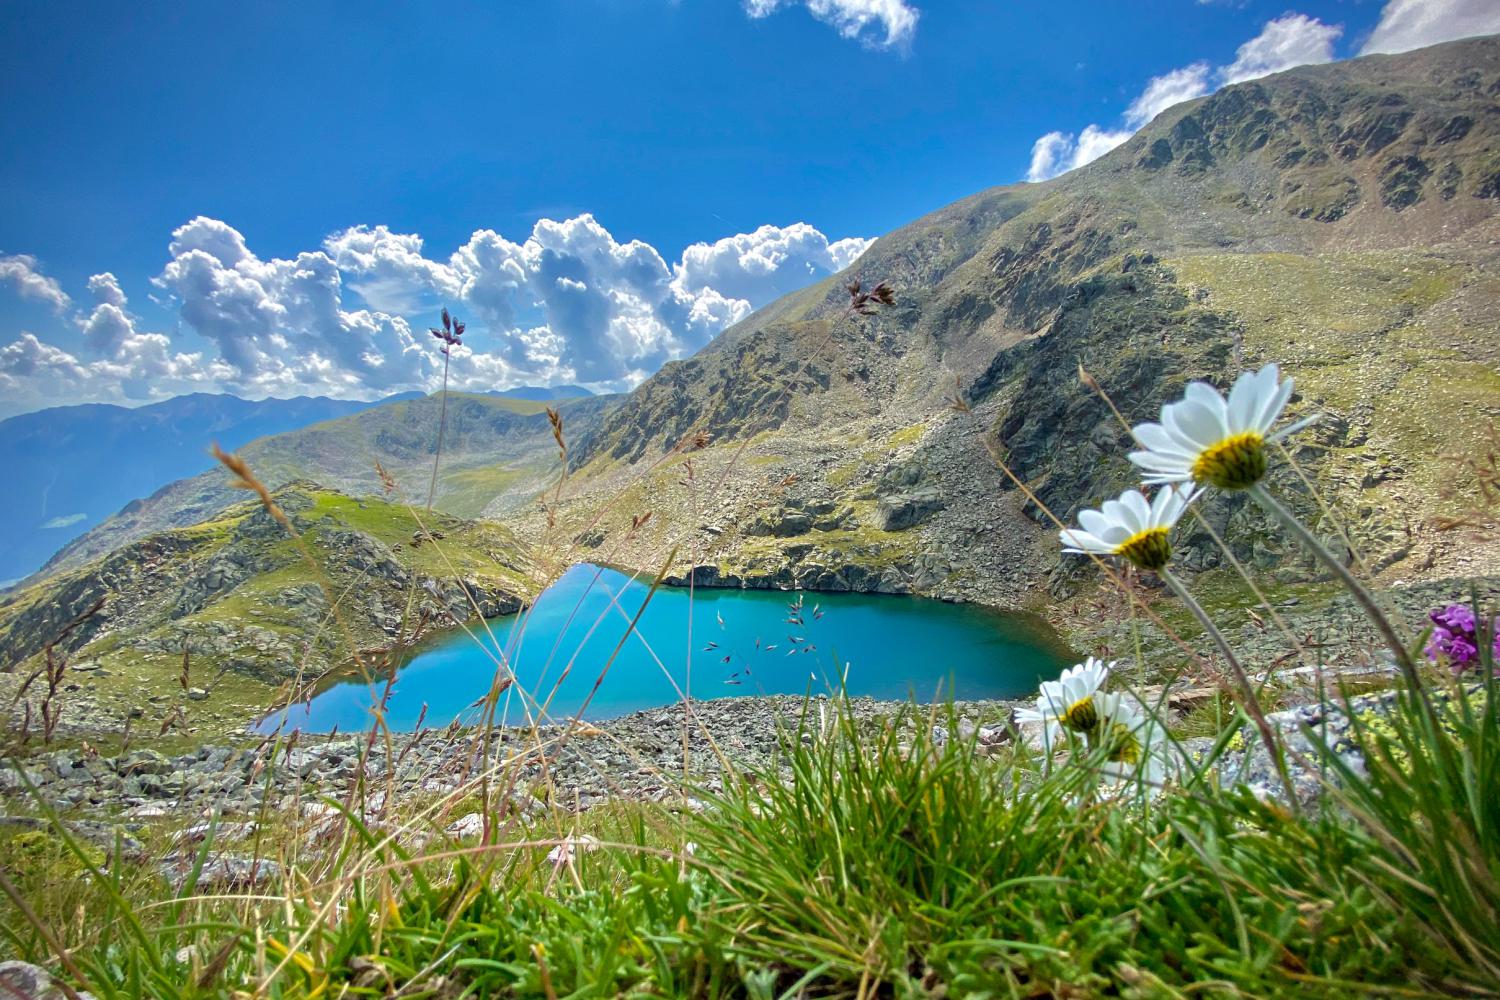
<point x="574" y="652"/>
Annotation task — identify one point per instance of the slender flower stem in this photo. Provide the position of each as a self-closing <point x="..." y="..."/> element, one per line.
<point x="437" y="455"/>
<point x="1247" y="697"/>
<point x="1351" y="583"/>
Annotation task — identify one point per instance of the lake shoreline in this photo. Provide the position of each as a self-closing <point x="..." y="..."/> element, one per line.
<point x="636" y="756"/>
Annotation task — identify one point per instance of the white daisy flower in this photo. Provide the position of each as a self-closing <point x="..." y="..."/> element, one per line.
<point x="1205" y="439"/>
<point x="1131" y="527"/>
<point x="1068" y="702"/>
<point x="1134" y="743"/>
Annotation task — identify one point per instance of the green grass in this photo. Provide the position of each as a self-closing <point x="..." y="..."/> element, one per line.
<point x="467" y="492"/>
<point x="867" y="861"/>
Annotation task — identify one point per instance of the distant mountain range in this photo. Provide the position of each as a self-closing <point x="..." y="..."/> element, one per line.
<point x="542" y="393"/>
<point x="69" y="468"/>
<point x="498" y="453"/>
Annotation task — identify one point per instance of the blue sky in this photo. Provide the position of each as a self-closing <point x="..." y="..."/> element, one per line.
<point x="283" y="129"/>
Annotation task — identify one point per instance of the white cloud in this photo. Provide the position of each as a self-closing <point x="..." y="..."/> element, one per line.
<point x="1412" y="24"/>
<point x="1048" y="156"/>
<point x="850" y="18"/>
<point x="1057" y="153"/>
<point x="1166" y="90"/>
<point x="569" y="303"/>
<point x="1290" y="40"/>
<point x="130" y="366"/>
<point x="757" y="267"/>
<point x="20" y="271"/>
<point x="34" y="374"/>
<point x="610" y="310"/>
<point x="394" y="276"/>
<point x="280" y="324"/>
<point x="105" y="288"/>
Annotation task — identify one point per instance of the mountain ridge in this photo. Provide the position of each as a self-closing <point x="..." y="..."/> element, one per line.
<point x="497" y="452"/>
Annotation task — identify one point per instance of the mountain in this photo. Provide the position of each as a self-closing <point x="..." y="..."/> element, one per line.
<point x="498" y="453"/>
<point x="1342" y="220"/>
<point x="69" y="467"/>
<point x="543" y="393"/>
<point x="247" y="608"/>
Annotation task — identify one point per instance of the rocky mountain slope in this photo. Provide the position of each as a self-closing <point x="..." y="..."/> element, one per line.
<point x="1343" y="220"/>
<point x="498" y="452"/>
<point x="244" y="607"/>
<point x="70" y="467"/>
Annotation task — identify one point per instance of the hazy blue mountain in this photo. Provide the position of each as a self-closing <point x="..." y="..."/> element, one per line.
<point x="543" y="393"/>
<point x="69" y="467"/>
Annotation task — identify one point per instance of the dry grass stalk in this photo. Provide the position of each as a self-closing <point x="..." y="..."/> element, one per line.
<point x="54" y="667"/>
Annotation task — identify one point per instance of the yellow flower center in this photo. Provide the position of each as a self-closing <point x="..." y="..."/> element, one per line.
<point x="1081" y="716"/>
<point x="1235" y="463"/>
<point x="1124" y="746"/>
<point x="1147" y="549"/>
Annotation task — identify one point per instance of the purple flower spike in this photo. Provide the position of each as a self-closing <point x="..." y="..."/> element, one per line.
<point x="1455" y="638"/>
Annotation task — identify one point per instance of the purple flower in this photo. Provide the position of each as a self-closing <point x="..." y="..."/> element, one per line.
<point x="1455" y="638"/>
<point x="1454" y="618"/>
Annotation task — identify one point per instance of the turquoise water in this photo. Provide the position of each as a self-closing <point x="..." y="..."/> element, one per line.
<point x="741" y="643"/>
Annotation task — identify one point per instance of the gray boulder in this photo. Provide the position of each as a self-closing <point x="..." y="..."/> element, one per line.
<point x="905" y="510"/>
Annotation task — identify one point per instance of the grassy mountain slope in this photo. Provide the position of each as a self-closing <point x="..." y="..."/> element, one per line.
<point x="70" y="467"/>
<point x="498" y="452"/>
<point x="1342" y="219"/>
<point x="251" y="607"/>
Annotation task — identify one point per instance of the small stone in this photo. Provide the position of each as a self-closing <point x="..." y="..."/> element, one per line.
<point x="33" y="982"/>
<point x="225" y="871"/>
<point x="196" y="694"/>
<point x="471" y="825"/>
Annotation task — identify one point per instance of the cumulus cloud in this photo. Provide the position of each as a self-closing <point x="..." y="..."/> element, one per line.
<point x="105" y="288"/>
<point x="568" y="303"/>
<point x="1057" y="153"/>
<point x="21" y="273"/>
<point x="1166" y="90"/>
<point x="850" y="18"/>
<point x="125" y="365"/>
<point x="394" y="276"/>
<point x="1290" y="40"/>
<point x="280" y="324"/>
<point x="609" y="310"/>
<point x="34" y="373"/>
<point x="1411" y="24"/>
<point x="762" y="265"/>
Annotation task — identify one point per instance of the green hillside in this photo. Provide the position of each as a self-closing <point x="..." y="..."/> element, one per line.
<point x="253" y="608"/>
